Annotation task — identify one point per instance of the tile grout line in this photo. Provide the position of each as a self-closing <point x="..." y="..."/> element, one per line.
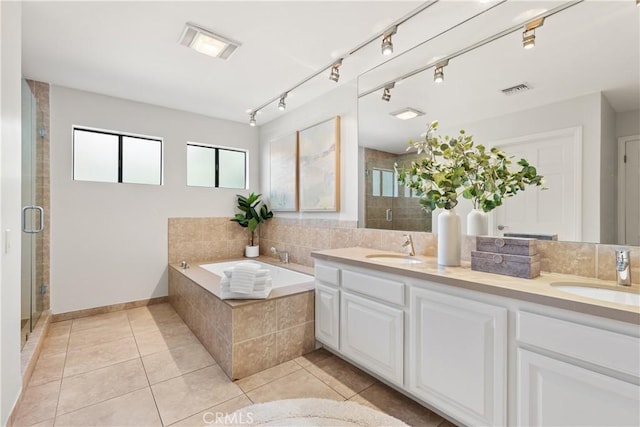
<point x="144" y="368"/>
<point x="64" y="367"/>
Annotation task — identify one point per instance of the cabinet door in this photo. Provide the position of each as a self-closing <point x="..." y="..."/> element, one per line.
<point x="372" y="334"/>
<point x="555" y="393"/>
<point x="458" y="356"/>
<point x="327" y="315"/>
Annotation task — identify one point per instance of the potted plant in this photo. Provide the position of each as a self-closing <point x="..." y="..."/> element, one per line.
<point x="454" y="167"/>
<point x="254" y="212"/>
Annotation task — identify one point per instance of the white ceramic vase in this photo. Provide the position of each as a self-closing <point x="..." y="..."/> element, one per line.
<point x="477" y="223"/>
<point x="449" y="235"/>
<point x="251" y="251"/>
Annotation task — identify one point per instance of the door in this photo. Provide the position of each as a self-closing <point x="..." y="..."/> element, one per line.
<point x="373" y="335"/>
<point x="555" y="393"/>
<point x="32" y="214"/>
<point x="458" y="354"/>
<point x="327" y="315"/>
<point x="629" y="191"/>
<point x="556" y="210"/>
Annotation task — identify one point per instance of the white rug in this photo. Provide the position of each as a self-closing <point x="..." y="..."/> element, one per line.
<point x="309" y="412"/>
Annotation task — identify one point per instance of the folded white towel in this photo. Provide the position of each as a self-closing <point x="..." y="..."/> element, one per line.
<point x="259" y="285"/>
<point x="263" y="272"/>
<point x="243" y="277"/>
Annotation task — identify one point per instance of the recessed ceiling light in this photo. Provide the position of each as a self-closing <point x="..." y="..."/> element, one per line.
<point x="407" y="113"/>
<point x="207" y="42"/>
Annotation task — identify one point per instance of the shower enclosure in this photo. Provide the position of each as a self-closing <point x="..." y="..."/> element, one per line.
<point x="33" y="214"/>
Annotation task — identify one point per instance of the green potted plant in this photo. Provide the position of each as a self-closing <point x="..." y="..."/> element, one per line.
<point x="454" y="167"/>
<point x="254" y="212"/>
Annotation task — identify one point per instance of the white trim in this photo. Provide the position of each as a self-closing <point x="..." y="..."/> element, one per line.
<point x="576" y="134"/>
<point x="622" y="190"/>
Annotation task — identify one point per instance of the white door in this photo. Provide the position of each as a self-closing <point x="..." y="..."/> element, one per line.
<point x="557" y="156"/>
<point x="554" y="393"/>
<point x="458" y="355"/>
<point x="629" y="192"/>
<point x="327" y="315"/>
<point x="373" y="335"/>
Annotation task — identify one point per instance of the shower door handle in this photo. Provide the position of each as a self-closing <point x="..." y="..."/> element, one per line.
<point x="24" y="219"/>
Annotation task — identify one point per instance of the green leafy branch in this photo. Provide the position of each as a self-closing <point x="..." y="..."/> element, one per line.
<point x="254" y="213"/>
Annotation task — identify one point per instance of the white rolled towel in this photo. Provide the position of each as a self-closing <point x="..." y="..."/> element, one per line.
<point x="243" y="277"/>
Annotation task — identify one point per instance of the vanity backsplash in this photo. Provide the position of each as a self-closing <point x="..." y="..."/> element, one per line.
<point x="302" y="236"/>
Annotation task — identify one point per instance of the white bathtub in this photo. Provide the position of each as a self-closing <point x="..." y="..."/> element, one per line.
<point x="280" y="276"/>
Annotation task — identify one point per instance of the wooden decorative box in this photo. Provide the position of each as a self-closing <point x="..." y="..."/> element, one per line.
<point x="526" y="267"/>
<point x="507" y="245"/>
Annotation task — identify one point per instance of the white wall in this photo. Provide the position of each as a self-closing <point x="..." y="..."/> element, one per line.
<point x="584" y="111"/>
<point x="628" y="123"/>
<point x="10" y="190"/>
<point x="608" y="174"/>
<point x="342" y="102"/>
<point x="109" y="241"/>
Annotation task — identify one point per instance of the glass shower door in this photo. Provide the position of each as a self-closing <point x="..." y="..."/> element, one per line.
<point x="32" y="214"/>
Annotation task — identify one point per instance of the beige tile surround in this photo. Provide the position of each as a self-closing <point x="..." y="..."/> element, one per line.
<point x="245" y="339"/>
<point x="300" y="237"/>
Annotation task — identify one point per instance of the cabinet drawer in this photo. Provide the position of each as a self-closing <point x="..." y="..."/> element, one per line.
<point x="326" y="274"/>
<point x="598" y="346"/>
<point x="384" y="289"/>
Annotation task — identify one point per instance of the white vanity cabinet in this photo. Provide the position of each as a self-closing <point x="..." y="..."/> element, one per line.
<point x="573" y="374"/>
<point x="458" y="356"/>
<point x="327" y="305"/>
<point x="372" y="334"/>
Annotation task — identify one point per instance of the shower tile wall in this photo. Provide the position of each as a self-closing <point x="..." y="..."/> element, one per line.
<point x="41" y="92"/>
<point x="406" y="212"/>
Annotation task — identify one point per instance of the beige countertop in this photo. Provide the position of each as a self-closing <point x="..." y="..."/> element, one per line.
<point x="538" y="290"/>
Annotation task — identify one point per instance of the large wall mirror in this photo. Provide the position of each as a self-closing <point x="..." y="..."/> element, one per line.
<point x="573" y="112"/>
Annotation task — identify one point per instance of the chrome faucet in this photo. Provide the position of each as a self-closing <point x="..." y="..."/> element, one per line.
<point x="283" y="256"/>
<point x="409" y="242"/>
<point x="623" y="267"/>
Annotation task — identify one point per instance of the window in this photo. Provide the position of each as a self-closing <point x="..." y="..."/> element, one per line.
<point x="105" y="156"/>
<point x="384" y="183"/>
<point x="218" y="167"/>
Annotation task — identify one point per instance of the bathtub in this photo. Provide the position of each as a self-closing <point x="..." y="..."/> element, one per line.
<point x="280" y="277"/>
<point x="246" y="336"/>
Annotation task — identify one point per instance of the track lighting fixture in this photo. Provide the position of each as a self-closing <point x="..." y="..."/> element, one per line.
<point x="252" y="119"/>
<point x="387" y="44"/>
<point x="282" y="105"/>
<point x="335" y="71"/>
<point x="386" y="94"/>
<point x="529" y="33"/>
<point x="438" y="74"/>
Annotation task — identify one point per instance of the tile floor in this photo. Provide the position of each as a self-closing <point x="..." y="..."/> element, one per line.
<point x="144" y="367"/>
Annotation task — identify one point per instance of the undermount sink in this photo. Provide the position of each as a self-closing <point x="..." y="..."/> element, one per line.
<point x="608" y="295"/>
<point x="394" y="258"/>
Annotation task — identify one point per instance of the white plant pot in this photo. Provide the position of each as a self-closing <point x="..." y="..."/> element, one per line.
<point x="449" y="235"/>
<point x="251" y="251"/>
<point x="477" y="223"/>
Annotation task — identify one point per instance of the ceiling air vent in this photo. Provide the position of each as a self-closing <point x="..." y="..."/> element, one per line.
<point x="522" y="87"/>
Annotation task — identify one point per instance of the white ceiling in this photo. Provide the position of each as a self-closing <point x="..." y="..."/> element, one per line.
<point x="130" y="49"/>
<point x="591" y="47"/>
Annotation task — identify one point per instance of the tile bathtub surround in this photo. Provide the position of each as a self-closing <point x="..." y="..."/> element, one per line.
<point x="298" y="236"/>
<point x="249" y="338"/>
<point x="205" y="239"/>
<point x="180" y="384"/>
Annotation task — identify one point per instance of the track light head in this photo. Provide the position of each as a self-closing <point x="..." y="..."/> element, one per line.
<point x="438" y="73"/>
<point x="386" y="94"/>
<point x="528" y="39"/>
<point x="282" y="105"/>
<point x="335" y="71"/>
<point x="387" y="44"/>
<point x="529" y="33"/>
<point x="252" y="119"/>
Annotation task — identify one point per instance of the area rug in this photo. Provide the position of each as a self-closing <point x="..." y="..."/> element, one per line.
<point x="308" y="412"/>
